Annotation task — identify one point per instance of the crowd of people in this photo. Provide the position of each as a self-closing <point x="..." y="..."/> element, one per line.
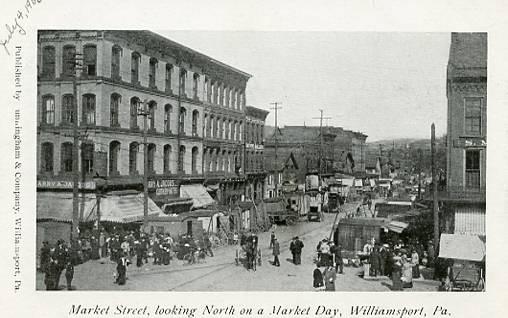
<point x="399" y="261"/>
<point x="121" y="247"/>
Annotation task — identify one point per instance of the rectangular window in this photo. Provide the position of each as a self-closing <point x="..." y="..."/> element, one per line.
<point x="473" y="169"/>
<point x="473" y="115"/>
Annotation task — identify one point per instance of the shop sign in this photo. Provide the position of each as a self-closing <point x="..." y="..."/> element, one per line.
<point x="164" y="187"/>
<point x="64" y="184"/>
<point x="470" y="142"/>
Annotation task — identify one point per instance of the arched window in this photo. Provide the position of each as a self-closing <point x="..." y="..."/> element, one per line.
<point x="151" y="158"/>
<point x="47" y="157"/>
<point x="195" y="82"/>
<point x="214" y="92"/>
<point x="183" y="79"/>
<point x="168" y="109"/>
<point x="152" y="106"/>
<point x="133" y="157"/>
<point x="69" y="61"/>
<point x="233" y="98"/>
<point x="194" y="160"/>
<point x="227" y="125"/>
<point x="207" y="90"/>
<point x="90" y="60"/>
<point x="68" y="109"/>
<point x="87" y="150"/>
<point x="217" y="133"/>
<point x="114" y="151"/>
<point x="152" y="72"/>
<point x="48" y="62"/>
<point x="220" y="92"/>
<point x="207" y="125"/>
<point x="167" y="154"/>
<point x="89" y="109"/>
<point x="181" y="159"/>
<point x="213" y="123"/>
<point x="181" y="120"/>
<point x="233" y="130"/>
<point x="226" y="96"/>
<point x="113" y="110"/>
<point x="223" y="161"/>
<point x="135" y="60"/>
<point x="66" y="157"/>
<point x="169" y="73"/>
<point x="116" y="53"/>
<point x="134" y="113"/>
<point x="195" y="118"/>
<point x="48" y="110"/>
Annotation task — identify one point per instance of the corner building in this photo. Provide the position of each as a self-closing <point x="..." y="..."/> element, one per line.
<point x="195" y="110"/>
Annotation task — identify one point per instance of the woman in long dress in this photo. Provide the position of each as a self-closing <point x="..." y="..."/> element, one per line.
<point x="318" y="278"/>
<point x="396" y="274"/>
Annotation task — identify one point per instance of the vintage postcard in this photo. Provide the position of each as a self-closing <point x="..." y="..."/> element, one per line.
<point x="232" y="164"/>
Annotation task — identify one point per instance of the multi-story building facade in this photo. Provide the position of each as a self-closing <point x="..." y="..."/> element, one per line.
<point x="254" y="148"/>
<point x="338" y="150"/>
<point x="466" y="134"/>
<point x="224" y="129"/>
<point x="194" y="111"/>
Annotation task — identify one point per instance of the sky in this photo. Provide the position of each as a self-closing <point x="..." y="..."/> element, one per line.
<point x="386" y="85"/>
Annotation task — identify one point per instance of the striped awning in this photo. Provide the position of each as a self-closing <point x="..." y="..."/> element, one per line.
<point x="198" y="194"/>
<point x="117" y="207"/>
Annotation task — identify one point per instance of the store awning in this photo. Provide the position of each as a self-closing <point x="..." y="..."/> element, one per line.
<point x="119" y="207"/>
<point x="123" y="208"/>
<point x="197" y="193"/>
<point x="396" y="226"/>
<point x="462" y="247"/>
<point x="57" y="206"/>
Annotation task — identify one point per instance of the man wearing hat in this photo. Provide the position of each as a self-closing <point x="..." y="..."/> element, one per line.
<point x="292" y="249"/>
<point x="298" y="246"/>
<point x="276" y="252"/>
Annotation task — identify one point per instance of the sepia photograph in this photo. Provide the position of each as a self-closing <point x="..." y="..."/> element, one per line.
<point x="314" y="161"/>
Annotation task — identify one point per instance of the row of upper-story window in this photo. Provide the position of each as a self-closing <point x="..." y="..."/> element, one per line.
<point x="188" y="85"/>
<point x="254" y="160"/>
<point x="134" y="108"/>
<point x="115" y="154"/>
<point x="223" y="127"/>
<point x="216" y="160"/>
<point x="254" y="133"/>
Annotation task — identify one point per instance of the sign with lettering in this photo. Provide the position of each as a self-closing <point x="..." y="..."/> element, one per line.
<point x="64" y="184"/>
<point x="470" y="142"/>
<point x="164" y="187"/>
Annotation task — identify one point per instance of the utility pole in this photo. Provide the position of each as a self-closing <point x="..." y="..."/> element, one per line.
<point x="145" y="113"/>
<point x="75" y="146"/>
<point x="276" y="108"/>
<point x="420" y="166"/>
<point x="320" y="143"/>
<point x="434" y="188"/>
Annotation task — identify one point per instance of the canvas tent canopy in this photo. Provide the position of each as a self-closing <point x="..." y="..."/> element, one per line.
<point x="198" y="194"/>
<point x="462" y="247"/>
<point x="118" y="207"/>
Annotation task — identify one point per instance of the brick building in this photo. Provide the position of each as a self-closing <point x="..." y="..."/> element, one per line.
<point x="466" y="134"/>
<point x="343" y="150"/>
<point x="254" y="149"/>
<point x="195" y="104"/>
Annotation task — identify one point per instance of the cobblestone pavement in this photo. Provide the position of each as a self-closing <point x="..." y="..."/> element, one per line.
<point x="220" y="273"/>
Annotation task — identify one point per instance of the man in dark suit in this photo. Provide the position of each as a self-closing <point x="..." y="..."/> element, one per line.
<point x="298" y="246"/>
<point x="276" y="252"/>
